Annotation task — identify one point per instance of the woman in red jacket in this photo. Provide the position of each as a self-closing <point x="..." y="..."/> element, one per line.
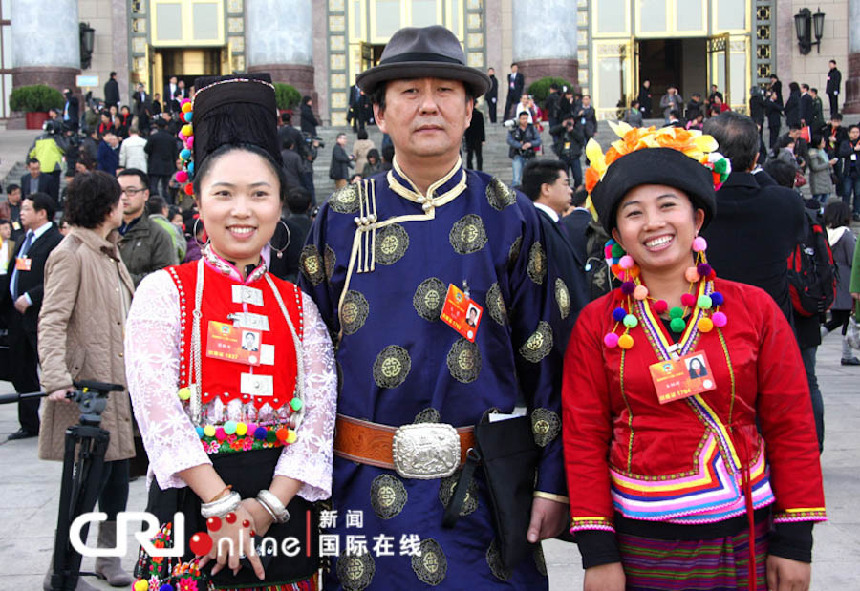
<point x="672" y="484"/>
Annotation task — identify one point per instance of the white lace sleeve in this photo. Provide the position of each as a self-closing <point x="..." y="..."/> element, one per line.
<point x="309" y="459"/>
<point x="152" y="349"/>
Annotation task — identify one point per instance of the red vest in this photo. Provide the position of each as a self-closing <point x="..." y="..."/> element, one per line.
<point x="222" y="378"/>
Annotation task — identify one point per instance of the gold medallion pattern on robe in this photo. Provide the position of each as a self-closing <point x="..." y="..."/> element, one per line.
<point x="545" y="426"/>
<point x="355" y="572"/>
<point x="499" y="195"/>
<point x="446" y="493"/>
<point x="429" y="298"/>
<point x="391" y="244"/>
<point x="387" y="496"/>
<point x="468" y="234"/>
<point x="345" y="200"/>
<point x="428" y="415"/>
<point x="495" y="304"/>
<point x="514" y="252"/>
<point x="430" y="563"/>
<point x="538" y="344"/>
<point x="311" y="264"/>
<point x="353" y="312"/>
<point x="391" y="367"/>
<point x="537" y="263"/>
<point x="329" y="260"/>
<point x="464" y="361"/>
<point x="562" y="297"/>
<point x="540" y="560"/>
<point x="494" y="561"/>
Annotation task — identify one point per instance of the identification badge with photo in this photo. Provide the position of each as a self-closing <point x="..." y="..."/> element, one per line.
<point x="676" y="379"/>
<point x="461" y="313"/>
<point x="230" y="343"/>
<point x="23" y="263"/>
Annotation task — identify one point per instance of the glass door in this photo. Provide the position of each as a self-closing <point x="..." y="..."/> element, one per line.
<point x="719" y="65"/>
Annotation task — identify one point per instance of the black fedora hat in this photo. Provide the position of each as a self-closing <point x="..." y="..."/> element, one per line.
<point x="421" y="52"/>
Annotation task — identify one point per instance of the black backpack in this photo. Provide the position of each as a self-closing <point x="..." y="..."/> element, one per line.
<point x="811" y="272"/>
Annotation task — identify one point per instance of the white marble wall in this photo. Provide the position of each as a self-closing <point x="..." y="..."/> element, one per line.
<point x="544" y="29"/>
<point x="45" y="34"/>
<point x="854" y="26"/>
<point x="278" y="32"/>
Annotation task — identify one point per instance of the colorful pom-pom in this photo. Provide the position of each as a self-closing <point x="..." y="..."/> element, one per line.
<point x="625" y="341"/>
<point x="719" y="319"/>
<point x="187" y="130"/>
<point x="220" y="434"/>
<point x="241" y="429"/>
<point x="141" y="585"/>
<point x="200" y="432"/>
<point x="611" y="340"/>
<point x="190" y="168"/>
<point x="677" y="324"/>
<point x="704" y="269"/>
<point x="630" y="321"/>
<point x="688" y="299"/>
<point x="627" y="287"/>
<point x="706" y="325"/>
<point x="676" y="312"/>
<point x="186" y="101"/>
<point x="607" y="251"/>
<point x="704" y="302"/>
<point x="660" y="306"/>
<point x="296" y="404"/>
<point x="181" y="176"/>
<point x="721" y="166"/>
<point x="189" y="189"/>
<point x="187" y="116"/>
<point x="166" y="587"/>
<point x="282" y="433"/>
<point x="185" y="154"/>
<point x="640" y="292"/>
<point x="618" y="314"/>
<point x="626" y="261"/>
<point x="184" y="393"/>
<point x="699" y="244"/>
<point x="617" y="250"/>
<point x="617" y="270"/>
<point x="634" y="271"/>
<point x="717" y="298"/>
<point x="209" y="430"/>
<point x="260" y="433"/>
<point x="230" y="427"/>
<point x="291" y="437"/>
<point x="691" y="274"/>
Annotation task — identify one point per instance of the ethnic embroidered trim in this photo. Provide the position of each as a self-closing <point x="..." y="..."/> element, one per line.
<point x="590" y="523"/>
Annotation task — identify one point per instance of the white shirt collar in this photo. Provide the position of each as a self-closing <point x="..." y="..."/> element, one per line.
<point x="41" y="230"/>
<point x="547" y="210"/>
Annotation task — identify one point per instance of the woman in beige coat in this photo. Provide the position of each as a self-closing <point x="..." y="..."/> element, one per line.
<point x="87" y="296"/>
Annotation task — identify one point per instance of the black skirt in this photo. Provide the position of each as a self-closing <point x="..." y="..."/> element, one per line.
<point x="248" y="473"/>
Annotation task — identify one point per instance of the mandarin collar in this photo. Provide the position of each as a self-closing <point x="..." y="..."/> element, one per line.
<point x="227" y="268"/>
<point x="446" y="189"/>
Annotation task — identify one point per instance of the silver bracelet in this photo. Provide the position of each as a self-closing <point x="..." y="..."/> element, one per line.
<point x="274" y="506"/>
<point x="220" y="507"/>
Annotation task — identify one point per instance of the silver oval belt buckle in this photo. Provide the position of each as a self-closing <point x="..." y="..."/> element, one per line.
<point x="426" y="450"/>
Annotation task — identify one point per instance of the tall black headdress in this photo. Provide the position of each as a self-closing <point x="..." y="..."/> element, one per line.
<point x="229" y="110"/>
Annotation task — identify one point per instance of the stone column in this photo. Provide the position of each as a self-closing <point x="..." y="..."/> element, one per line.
<point x="544" y="40"/>
<point x="45" y="43"/>
<point x="852" y="79"/>
<point x="279" y="41"/>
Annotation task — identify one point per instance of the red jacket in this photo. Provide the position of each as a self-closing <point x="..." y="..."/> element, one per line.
<point x="685" y="461"/>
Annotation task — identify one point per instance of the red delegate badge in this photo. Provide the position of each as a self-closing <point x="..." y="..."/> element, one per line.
<point x="676" y="379"/>
<point x="461" y="313"/>
<point x="231" y="343"/>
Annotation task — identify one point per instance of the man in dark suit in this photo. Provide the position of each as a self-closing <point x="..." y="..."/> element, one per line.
<point x="576" y="224"/>
<point x="834" y="81"/>
<point x="112" y="92"/>
<point x="71" y="113"/>
<point x="474" y="138"/>
<point x="162" y="151"/>
<point x="142" y="107"/>
<point x="491" y="97"/>
<point x="516" y="86"/>
<point x="26" y="288"/>
<point x="35" y="181"/>
<point x="547" y="185"/>
<point x="356" y="108"/>
<point x="807" y="112"/>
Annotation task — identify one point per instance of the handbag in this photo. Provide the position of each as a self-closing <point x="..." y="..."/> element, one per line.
<point x="507" y="452"/>
<point x="799" y="179"/>
<point x="853" y="334"/>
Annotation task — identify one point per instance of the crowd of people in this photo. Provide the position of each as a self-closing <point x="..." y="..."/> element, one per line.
<point x="618" y="355"/>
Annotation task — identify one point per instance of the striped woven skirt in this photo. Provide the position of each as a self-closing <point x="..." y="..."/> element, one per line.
<point x="720" y="564"/>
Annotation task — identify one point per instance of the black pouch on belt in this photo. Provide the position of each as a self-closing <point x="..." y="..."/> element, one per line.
<point x="507" y="452"/>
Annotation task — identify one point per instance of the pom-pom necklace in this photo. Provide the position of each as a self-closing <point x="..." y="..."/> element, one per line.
<point x="699" y="296"/>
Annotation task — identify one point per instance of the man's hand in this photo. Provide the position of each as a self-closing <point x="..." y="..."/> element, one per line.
<point x="606" y="577"/>
<point x="528" y="145"/>
<point x="60" y="395"/>
<point x="22" y="303"/>
<point x="784" y="574"/>
<point x="549" y="519"/>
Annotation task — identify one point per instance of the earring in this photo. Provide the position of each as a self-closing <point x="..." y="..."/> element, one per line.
<point x="194" y="234"/>
<point x="289" y="238"/>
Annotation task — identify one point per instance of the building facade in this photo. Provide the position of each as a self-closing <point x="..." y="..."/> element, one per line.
<point x="606" y="47"/>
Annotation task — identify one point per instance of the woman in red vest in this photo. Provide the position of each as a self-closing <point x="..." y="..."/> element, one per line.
<point x="239" y="435"/>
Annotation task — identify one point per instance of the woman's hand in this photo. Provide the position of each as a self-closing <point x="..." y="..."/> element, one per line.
<point x="784" y="574"/>
<point x="231" y="541"/>
<point x="855" y="295"/>
<point x="61" y="395"/>
<point x="262" y="518"/>
<point x="606" y="577"/>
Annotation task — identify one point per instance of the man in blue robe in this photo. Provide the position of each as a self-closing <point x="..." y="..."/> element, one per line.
<point x="379" y="262"/>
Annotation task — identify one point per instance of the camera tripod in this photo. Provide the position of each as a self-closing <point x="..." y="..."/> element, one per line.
<point x="82" y="475"/>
